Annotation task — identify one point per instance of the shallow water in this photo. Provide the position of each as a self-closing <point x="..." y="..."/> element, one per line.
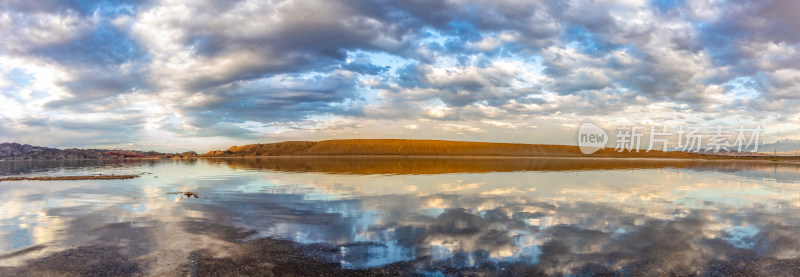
<point x="415" y="216"/>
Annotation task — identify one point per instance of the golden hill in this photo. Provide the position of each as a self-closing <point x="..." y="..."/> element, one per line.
<point x="403" y="147"/>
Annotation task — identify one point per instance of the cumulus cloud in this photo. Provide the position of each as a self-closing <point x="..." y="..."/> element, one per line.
<point x="204" y="68"/>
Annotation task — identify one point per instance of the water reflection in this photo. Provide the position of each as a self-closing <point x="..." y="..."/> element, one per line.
<point x="508" y="217"/>
<point x="440" y="165"/>
<point x="64" y="167"/>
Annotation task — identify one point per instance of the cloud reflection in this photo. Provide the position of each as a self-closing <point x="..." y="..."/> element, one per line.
<point x="631" y="222"/>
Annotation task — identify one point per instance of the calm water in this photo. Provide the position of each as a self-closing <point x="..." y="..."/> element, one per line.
<point x="429" y="216"/>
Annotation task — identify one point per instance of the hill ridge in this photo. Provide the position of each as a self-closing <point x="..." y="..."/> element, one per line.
<point x="18" y="151"/>
<point x="423" y="147"/>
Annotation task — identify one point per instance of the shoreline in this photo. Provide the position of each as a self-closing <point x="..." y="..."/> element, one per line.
<point x="72" y="178"/>
<point x="792" y="159"/>
<point x="411" y="156"/>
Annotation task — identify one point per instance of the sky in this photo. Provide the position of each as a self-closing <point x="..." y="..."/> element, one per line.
<point x="203" y="75"/>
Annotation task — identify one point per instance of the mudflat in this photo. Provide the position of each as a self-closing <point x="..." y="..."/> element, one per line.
<point x="71" y="178"/>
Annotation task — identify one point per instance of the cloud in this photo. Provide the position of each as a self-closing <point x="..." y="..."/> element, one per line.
<point x="278" y="98"/>
<point x="223" y="63"/>
<point x="285" y="37"/>
<point x="458" y="128"/>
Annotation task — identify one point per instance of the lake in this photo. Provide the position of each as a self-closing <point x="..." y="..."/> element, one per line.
<point x="403" y="216"/>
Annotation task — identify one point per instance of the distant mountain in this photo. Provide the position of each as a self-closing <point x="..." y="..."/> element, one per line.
<point x="16" y="151"/>
<point x="402" y="147"/>
<point x="785" y="146"/>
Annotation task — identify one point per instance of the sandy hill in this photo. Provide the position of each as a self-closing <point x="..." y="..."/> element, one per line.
<point x="402" y="147"/>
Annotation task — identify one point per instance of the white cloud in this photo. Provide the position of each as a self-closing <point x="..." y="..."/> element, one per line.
<point x="458" y="128"/>
<point x="175" y="69"/>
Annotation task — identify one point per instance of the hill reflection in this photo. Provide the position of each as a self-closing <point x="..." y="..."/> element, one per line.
<point x="440" y="165"/>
